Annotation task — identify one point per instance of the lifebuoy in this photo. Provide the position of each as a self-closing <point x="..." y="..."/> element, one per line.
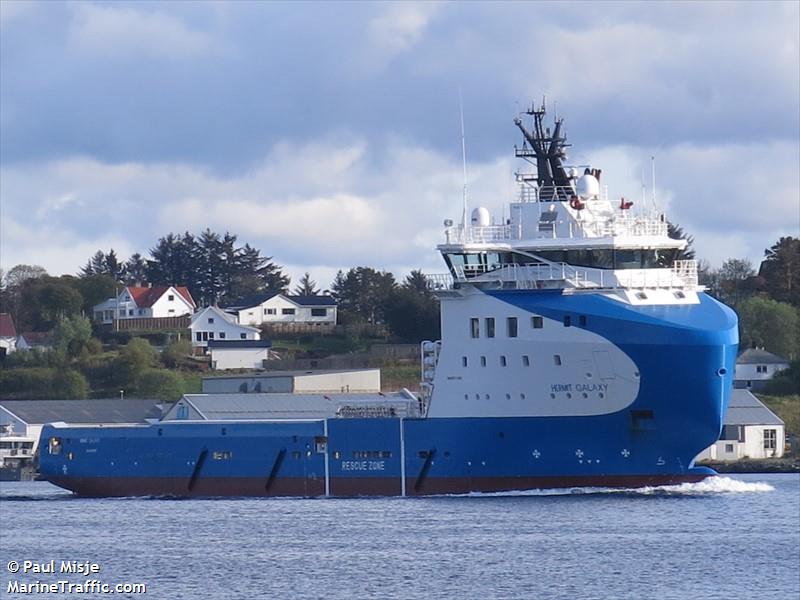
<point x="576" y="204"/>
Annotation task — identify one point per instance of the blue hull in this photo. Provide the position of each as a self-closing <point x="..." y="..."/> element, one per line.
<point x="685" y="355"/>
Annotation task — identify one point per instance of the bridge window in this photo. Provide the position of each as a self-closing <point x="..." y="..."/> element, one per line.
<point x="474" y="328"/>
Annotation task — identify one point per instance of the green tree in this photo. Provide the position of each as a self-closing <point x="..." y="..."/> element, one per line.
<point x="72" y="334"/>
<point x="71" y="384"/>
<point x="413" y="316"/>
<point x="137" y="356"/>
<point x="676" y="232"/>
<point x="364" y="293"/>
<point x="14" y="282"/>
<point x="43" y="383"/>
<point x="781" y="270"/>
<point x="774" y="326"/>
<point x="134" y="271"/>
<point x="306" y="286"/>
<point x="175" y="354"/>
<point x="95" y="289"/>
<point x="159" y="383"/>
<point x="735" y="280"/>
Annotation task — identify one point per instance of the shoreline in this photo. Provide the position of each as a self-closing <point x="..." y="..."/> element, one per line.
<point x="767" y="465"/>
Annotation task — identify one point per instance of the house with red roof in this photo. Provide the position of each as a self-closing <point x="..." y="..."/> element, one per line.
<point x="8" y="335"/>
<point x="146" y="302"/>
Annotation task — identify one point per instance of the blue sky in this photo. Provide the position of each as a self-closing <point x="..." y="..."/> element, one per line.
<point x="327" y="134"/>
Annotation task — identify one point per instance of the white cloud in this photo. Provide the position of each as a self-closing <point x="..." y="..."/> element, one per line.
<point x="58" y="250"/>
<point x="115" y="31"/>
<point x="324" y="206"/>
<point x="399" y="28"/>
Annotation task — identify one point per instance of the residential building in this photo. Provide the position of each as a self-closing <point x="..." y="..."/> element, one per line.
<point x="35" y="340"/>
<point x="212" y="323"/>
<point x="750" y="430"/>
<point x="278" y="308"/>
<point x="755" y="367"/>
<point x="8" y="335"/>
<point x="146" y="302"/>
<point x="238" y="354"/>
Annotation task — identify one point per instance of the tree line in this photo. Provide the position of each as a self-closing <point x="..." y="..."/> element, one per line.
<point x="767" y="300"/>
<point x="217" y="270"/>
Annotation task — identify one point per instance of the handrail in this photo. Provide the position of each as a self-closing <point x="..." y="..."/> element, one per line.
<point x="682" y="274"/>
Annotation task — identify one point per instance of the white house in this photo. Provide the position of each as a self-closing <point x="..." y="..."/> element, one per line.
<point x="238" y="354"/>
<point x="141" y="302"/>
<point x="8" y="335"/>
<point x="282" y="308"/>
<point x="755" y="367"/>
<point x="212" y="323"/>
<point x="750" y="430"/>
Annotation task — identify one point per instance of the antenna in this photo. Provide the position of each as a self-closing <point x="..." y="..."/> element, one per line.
<point x="653" y="172"/>
<point x="463" y="161"/>
<point x="644" y="188"/>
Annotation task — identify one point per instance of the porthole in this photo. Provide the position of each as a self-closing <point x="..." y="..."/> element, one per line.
<point x="569" y="395"/>
<point x="552" y="395"/>
<point x="602" y="395"/>
<point x="508" y="396"/>
<point x="585" y="395"/>
<point x="522" y="396"/>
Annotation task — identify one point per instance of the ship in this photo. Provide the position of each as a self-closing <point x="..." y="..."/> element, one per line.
<point x="577" y="350"/>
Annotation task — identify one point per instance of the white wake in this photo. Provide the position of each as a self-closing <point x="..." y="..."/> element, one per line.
<point x="715" y="485"/>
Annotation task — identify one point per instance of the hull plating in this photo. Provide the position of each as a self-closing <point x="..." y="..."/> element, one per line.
<point x="685" y="356"/>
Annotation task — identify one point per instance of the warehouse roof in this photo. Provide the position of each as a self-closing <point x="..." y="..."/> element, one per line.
<point x="108" y="410"/>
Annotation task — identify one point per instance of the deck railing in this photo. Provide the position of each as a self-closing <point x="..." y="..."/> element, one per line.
<point x="683" y="274"/>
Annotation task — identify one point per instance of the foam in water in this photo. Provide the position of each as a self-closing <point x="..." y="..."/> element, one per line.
<point x="709" y="486"/>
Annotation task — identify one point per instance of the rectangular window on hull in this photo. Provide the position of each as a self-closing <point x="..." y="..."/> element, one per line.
<point x="489" y="327"/>
<point x="463" y="361"/>
<point x="511" y="326"/>
<point x="474" y="328"/>
<point x="567" y="321"/>
<point x="537" y="322"/>
<point x="502" y="361"/>
<point x="483" y="361"/>
<point x="557" y="359"/>
<point x="526" y="361"/>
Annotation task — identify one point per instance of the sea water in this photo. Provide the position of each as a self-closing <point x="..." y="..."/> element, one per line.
<point x="726" y="537"/>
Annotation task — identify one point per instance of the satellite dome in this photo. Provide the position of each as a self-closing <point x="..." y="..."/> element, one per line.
<point x="480" y="217"/>
<point x="587" y="187"/>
